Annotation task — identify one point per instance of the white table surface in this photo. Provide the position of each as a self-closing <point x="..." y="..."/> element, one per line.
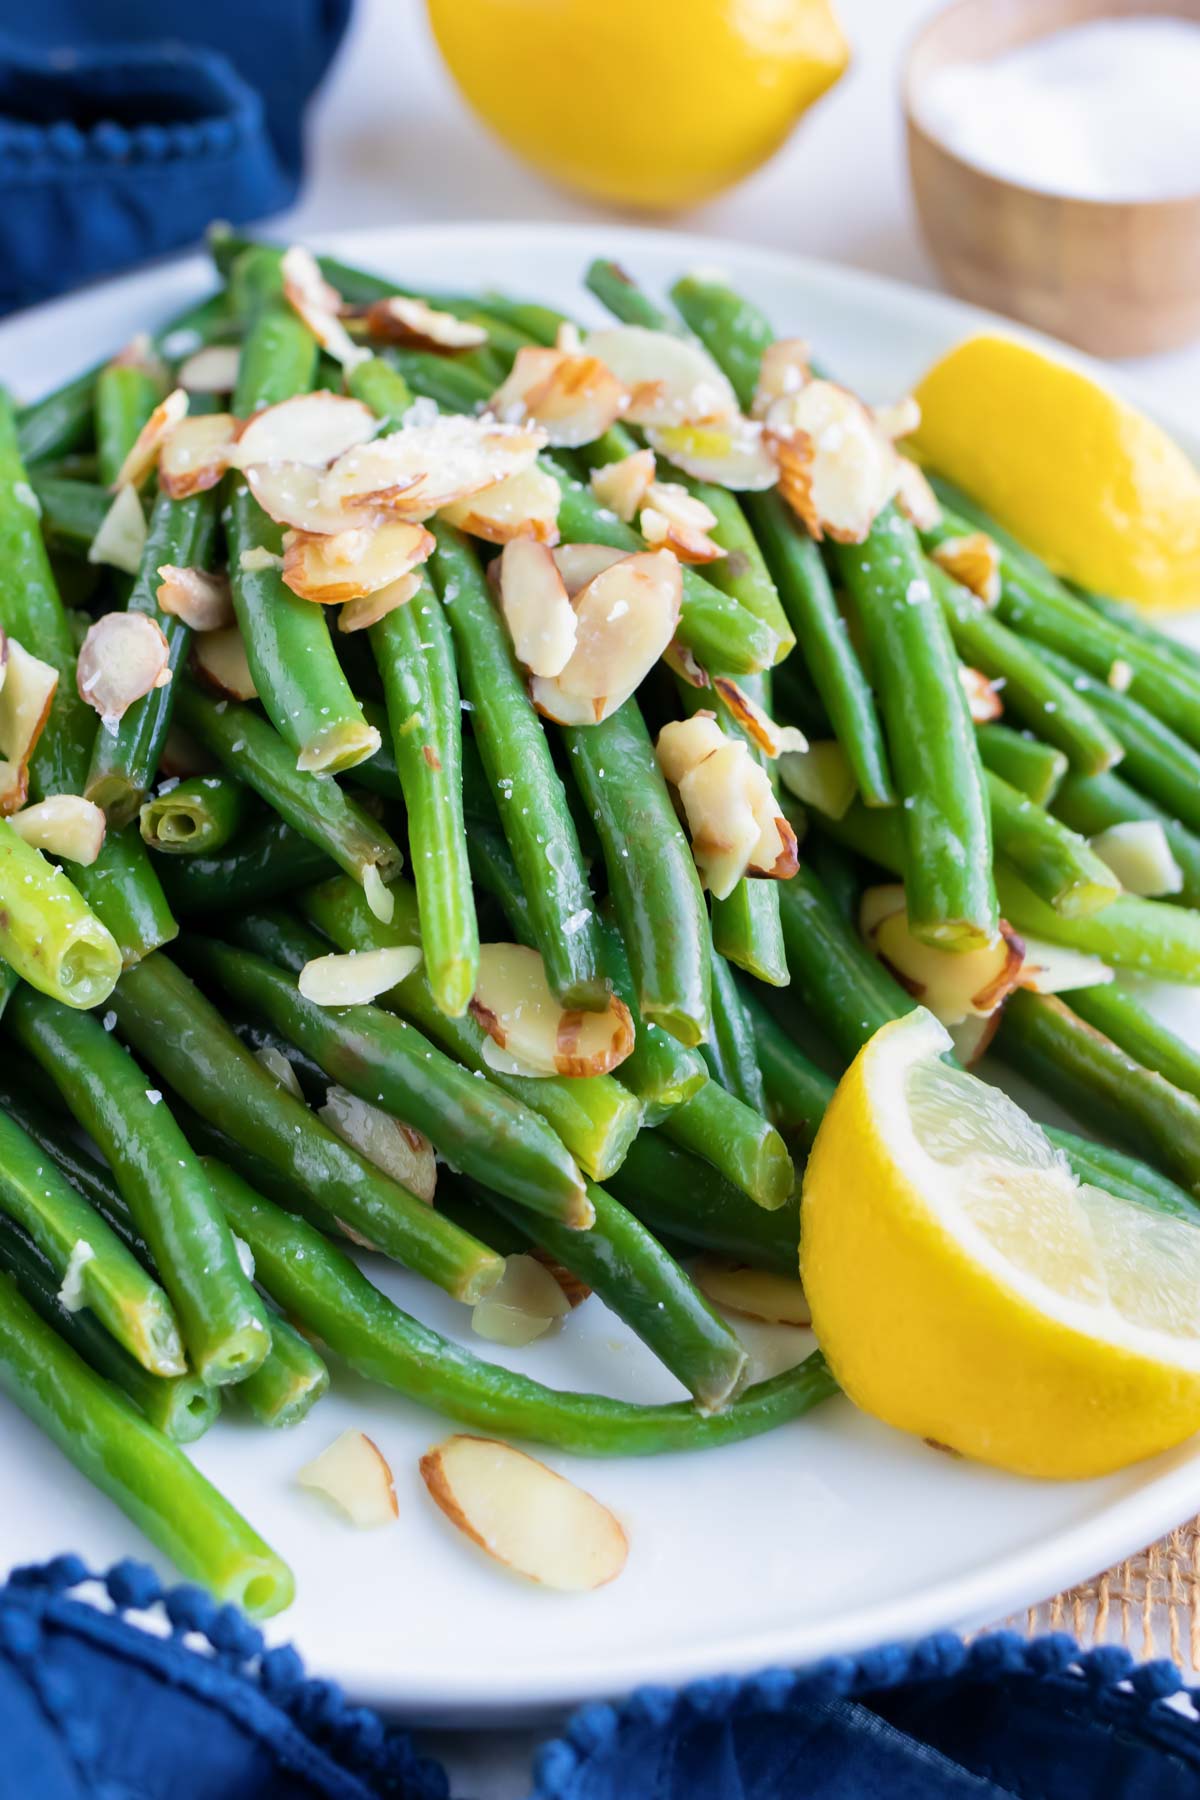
<point x="391" y="141"/>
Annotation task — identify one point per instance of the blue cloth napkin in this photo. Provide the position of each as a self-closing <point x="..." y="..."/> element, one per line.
<point x="94" y="1704"/>
<point x="126" y="126"/>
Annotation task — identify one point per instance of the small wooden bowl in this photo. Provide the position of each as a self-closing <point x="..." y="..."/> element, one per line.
<point x="1117" y="278"/>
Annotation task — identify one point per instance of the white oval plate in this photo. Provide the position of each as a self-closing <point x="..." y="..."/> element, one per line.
<point x="829" y="1535"/>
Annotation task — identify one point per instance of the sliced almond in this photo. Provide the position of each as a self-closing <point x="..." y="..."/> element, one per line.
<point x="122" y="535"/>
<point x="731" y="811"/>
<point x="914" y="496"/>
<point x="353" y="1473"/>
<point x="671" y="379"/>
<point x="368" y="609"/>
<point x="983" y="698"/>
<point x="123" y="657"/>
<point x="315" y="428"/>
<point x="682" y="662"/>
<point x="952" y="984"/>
<point x="196" y="454"/>
<point x="398" y="1149"/>
<point x="1056" y="968"/>
<point x="1140" y="856"/>
<point x="775" y="854"/>
<point x="291" y="494"/>
<point x="357" y="561"/>
<point x="973" y="1035"/>
<point x="258" y="559"/>
<point x="574" y="1290"/>
<point x="400" y="320"/>
<point x="65" y="825"/>
<point x="356" y="977"/>
<point x="580" y="563"/>
<point x="684" y="743"/>
<point x="533" y="600"/>
<point x="837" y="469"/>
<point x="899" y="419"/>
<point x="524" y="1515"/>
<point x="524" y="506"/>
<point x="974" y="562"/>
<point x="319" y="305"/>
<point x="784" y="369"/>
<point x="220" y="657"/>
<point x="625" y="618"/>
<point x="525" y="1304"/>
<point x="755" y="1293"/>
<point x="732" y="452"/>
<point x="277" y="1064"/>
<point x="772" y="739"/>
<point x="1120" y="675"/>
<point x="213" y="369"/>
<point x="26" y="697"/>
<point x="622" y="485"/>
<point x="515" y="1006"/>
<point x="673" y="520"/>
<point x="202" y="600"/>
<point x="430" y="463"/>
<point x="378" y="896"/>
<point x="822" y="777"/>
<point x="573" y="398"/>
<point x="143" y="452"/>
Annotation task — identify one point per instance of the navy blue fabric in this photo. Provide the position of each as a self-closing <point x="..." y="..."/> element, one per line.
<point x="126" y="126"/>
<point x="93" y="1704"/>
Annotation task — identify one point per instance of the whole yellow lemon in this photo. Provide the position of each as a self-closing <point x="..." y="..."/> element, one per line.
<point x="650" y="103"/>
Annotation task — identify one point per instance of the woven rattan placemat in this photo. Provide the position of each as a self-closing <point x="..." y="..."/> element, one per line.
<point x="1149" y="1603"/>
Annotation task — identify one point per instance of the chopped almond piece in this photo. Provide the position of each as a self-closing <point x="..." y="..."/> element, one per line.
<point x="772" y="739"/>
<point x="784" y="370"/>
<point x="580" y="563"/>
<point x="430" y="463"/>
<point x="952" y="984"/>
<point x="319" y="305"/>
<point x="622" y="485"/>
<point x="195" y="454"/>
<point x="315" y="428"/>
<point x="523" y="506"/>
<point x="399" y="320"/>
<point x="533" y="600"/>
<point x="291" y="494"/>
<point x="143" y="452"/>
<point x="982" y="698"/>
<point x="525" y="1304"/>
<point x="368" y="609"/>
<point x="974" y="562"/>
<point x="900" y="419"/>
<point x="123" y="657"/>
<point x="210" y="370"/>
<point x="515" y="1006"/>
<point x="398" y="1149"/>
<point x="625" y="618"/>
<point x="357" y="561"/>
<point x="523" y="1515"/>
<point x="755" y="1293"/>
<point x="220" y="658"/>
<point x="573" y="398"/>
<point x="671" y="380"/>
<point x="66" y="825"/>
<point x="26" y="696"/>
<point x="915" y="498"/>
<point x="1056" y="968"/>
<point x="837" y="469"/>
<point x="731" y="451"/>
<point x="122" y="535"/>
<point x="353" y="1473"/>
<point x="203" y="601"/>
<point x="354" y="978"/>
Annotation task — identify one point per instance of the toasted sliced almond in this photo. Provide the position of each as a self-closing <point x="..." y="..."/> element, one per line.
<point x="196" y="453"/>
<point x="524" y="1515"/>
<point x="671" y="379"/>
<point x="952" y="984"/>
<point x="821" y="776"/>
<point x="914" y="496"/>
<point x="772" y="739"/>
<point x="312" y="428"/>
<point x="143" y="452"/>
<point x="574" y="1290"/>
<point x="784" y="370"/>
<point x="622" y="485"/>
<point x="573" y="398"/>
<point x="580" y="563"/>
<point x="755" y="1293"/>
<point x="202" y="600"/>
<point x="123" y="657"/>
<point x="430" y="463"/>
<point x="982" y="697"/>
<point x="899" y="419"/>
<point x="667" y="530"/>
<point x="355" y="562"/>
<point x="368" y="609"/>
<point x="837" y="469"/>
<point x="399" y="320"/>
<point x="684" y="743"/>
<point x="524" y="506"/>
<point x="213" y="369"/>
<point x="122" y="535"/>
<point x="319" y="304"/>
<point x="66" y="825"/>
<point x="26" y="696"/>
<point x="353" y="1473"/>
<point x="973" y="1035"/>
<point x="358" y="976"/>
<point x="775" y="855"/>
<point x="1056" y="968"/>
<point x="220" y="657"/>
<point x="533" y="600"/>
<point x="732" y="452"/>
<point x="1140" y="856"/>
<point x="525" y="1304"/>
<point x="974" y="562"/>
<point x="720" y="816"/>
<point x="625" y="618"/>
<point x="398" y="1149"/>
<point x="291" y="494"/>
<point x="514" y="1004"/>
<point x="682" y="662"/>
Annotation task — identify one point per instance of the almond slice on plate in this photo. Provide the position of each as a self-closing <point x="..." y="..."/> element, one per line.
<point x="533" y="600"/>
<point x="1056" y="968"/>
<point x="401" y="320"/>
<point x="983" y="699"/>
<point x="622" y="485"/>
<point x="355" y="562"/>
<point x="973" y="560"/>
<point x="914" y="496"/>
<point x="319" y="305"/>
<point x="202" y="600"/>
<point x="398" y="1149"/>
<point x="213" y="369"/>
<point x="65" y="825"/>
<point x="837" y="468"/>
<point x="122" y="535"/>
<point x="525" y="1304"/>
<point x="220" y="658"/>
<point x="573" y="397"/>
<point x="123" y="657"/>
<point x="523" y="506"/>
<point x="26" y="696"/>
<point x="670" y="379"/>
<point x="353" y="978"/>
<point x="624" y="618"/>
<point x="354" y="1474"/>
<point x="952" y="984"/>
<point x="429" y="463"/>
<point x="368" y="609"/>
<point x="143" y="452"/>
<point x="580" y="563"/>
<point x="756" y="1293"/>
<point x="314" y="428"/>
<point x="772" y="739"/>
<point x="291" y="494"/>
<point x="515" y="1006"/>
<point x="523" y="1515"/>
<point x="784" y="369"/>
<point x="730" y="451"/>
<point x="196" y="453"/>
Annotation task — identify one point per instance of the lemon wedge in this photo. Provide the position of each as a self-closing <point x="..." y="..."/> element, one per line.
<point x="965" y="1287"/>
<point x="1094" y="487"/>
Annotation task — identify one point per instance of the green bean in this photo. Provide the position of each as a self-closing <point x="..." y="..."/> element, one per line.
<point x="250" y="750"/>
<point x="193" y="817"/>
<point x="147" y="1475"/>
<point x="1035" y="768"/>
<point x="168" y="1020"/>
<point x="594" y="1116"/>
<point x="284" y="1389"/>
<point x="1097" y="1080"/>
<point x="60" y="421"/>
<point x="691" y="1203"/>
<point x="623" y="297"/>
<point x="127" y="392"/>
<point x="652" y="878"/>
<point x="72" y="512"/>
<point x="1059" y="866"/>
<point x="838" y="871"/>
<point x="48" y="933"/>
<point x="747" y="1150"/>
<point x="332" y="1297"/>
<point x="835" y="978"/>
<point x="180" y="1405"/>
<point x="442" y="379"/>
<point x="1120" y="612"/>
<point x="1091" y="803"/>
<point x="1123" y="1018"/>
<point x="220" y="1315"/>
<point x="266" y="860"/>
<point x="730" y="1050"/>
<point x="485" y="1132"/>
<point x="1124" y="1176"/>
<point x="797" y="1092"/>
<point x="732" y="329"/>
<point x="82" y="1251"/>
<point x="123" y="890"/>
<point x="532" y="805"/>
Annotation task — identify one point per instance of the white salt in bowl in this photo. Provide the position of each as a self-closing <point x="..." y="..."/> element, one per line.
<point x="1117" y="276"/>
